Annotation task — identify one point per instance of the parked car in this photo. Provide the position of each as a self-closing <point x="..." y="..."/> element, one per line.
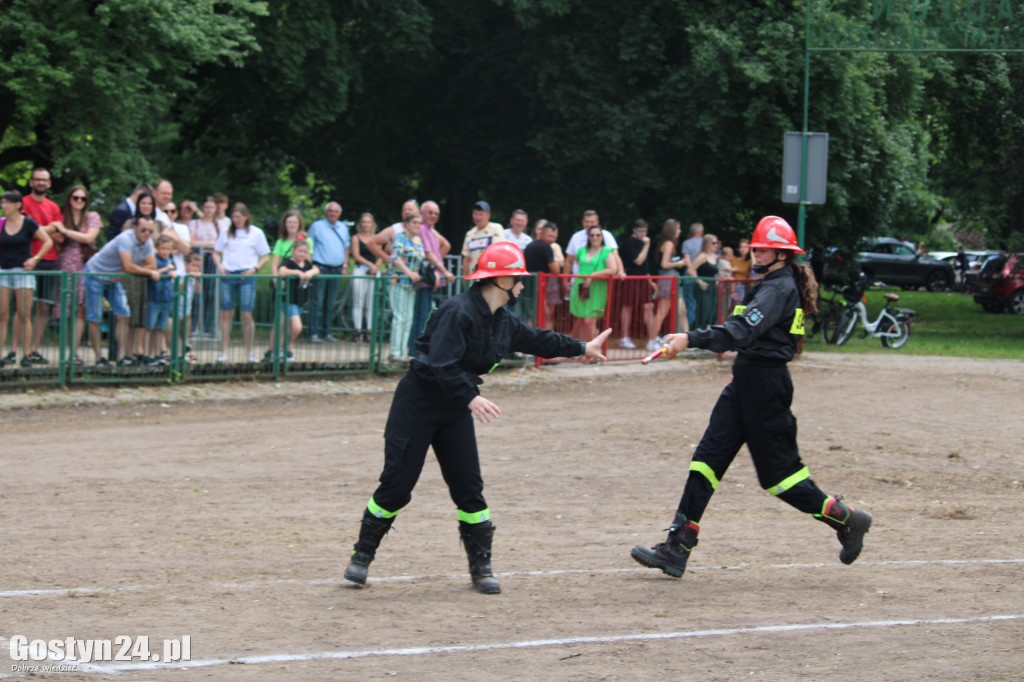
<point x="888" y="260"/>
<point x="975" y="259"/>
<point x="1000" y="284"/>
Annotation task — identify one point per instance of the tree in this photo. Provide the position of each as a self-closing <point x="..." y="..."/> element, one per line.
<point x="89" y="88"/>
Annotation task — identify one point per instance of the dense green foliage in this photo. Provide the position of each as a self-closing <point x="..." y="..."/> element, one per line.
<point x="660" y="108"/>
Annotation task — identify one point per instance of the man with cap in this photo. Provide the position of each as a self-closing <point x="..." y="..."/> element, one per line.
<point x="479" y="237"/>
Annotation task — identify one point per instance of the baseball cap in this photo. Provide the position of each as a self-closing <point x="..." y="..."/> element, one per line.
<point x="482" y="206"/>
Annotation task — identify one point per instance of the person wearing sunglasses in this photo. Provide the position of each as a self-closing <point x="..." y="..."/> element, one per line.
<point x="130" y="252"/>
<point x="437" y="399"/>
<point x="75" y="238"/>
<point x="705" y="266"/>
<point x="181" y="246"/>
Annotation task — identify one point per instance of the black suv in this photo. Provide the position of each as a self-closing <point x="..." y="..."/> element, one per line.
<point x="891" y="261"/>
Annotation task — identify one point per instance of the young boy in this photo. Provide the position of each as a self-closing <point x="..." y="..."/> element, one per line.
<point x="193" y="288"/>
<point x="299" y="270"/>
<point x="159" y="295"/>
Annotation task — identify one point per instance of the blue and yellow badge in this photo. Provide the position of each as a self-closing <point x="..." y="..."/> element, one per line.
<point x="753" y="316"/>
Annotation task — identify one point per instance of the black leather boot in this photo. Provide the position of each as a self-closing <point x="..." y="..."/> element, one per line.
<point x="850" y="525"/>
<point x="477" y="537"/>
<point x="370" y="534"/>
<point x="670" y="556"/>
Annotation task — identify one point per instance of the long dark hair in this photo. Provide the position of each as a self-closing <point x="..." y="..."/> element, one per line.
<point x="282" y="231"/>
<point x="65" y="209"/>
<point x="138" y="204"/>
<point x="670" y="226"/>
<point x="806" y="284"/>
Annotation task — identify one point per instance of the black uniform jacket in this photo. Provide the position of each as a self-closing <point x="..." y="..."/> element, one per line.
<point x="767" y="326"/>
<point x="463" y="340"/>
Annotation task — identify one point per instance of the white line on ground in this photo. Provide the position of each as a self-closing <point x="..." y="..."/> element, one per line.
<point x="527" y="644"/>
<point x="58" y="592"/>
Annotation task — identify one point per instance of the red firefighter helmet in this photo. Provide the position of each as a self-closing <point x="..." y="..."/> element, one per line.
<point x="772" y="232"/>
<point x="501" y="259"/>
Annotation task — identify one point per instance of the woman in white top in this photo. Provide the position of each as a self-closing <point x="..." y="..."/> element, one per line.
<point x="240" y="251"/>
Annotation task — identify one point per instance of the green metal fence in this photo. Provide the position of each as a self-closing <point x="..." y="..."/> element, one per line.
<point x="202" y="342"/>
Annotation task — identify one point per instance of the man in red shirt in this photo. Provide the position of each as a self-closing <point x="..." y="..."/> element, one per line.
<point x="47" y="213"/>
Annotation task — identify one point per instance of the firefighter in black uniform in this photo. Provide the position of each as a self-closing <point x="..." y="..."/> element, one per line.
<point x="436" y="400"/>
<point x="754" y="407"/>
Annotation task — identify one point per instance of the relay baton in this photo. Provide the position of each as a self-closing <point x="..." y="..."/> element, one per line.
<point x="660" y="351"/>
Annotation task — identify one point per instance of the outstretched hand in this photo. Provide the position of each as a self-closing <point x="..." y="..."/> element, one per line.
<point x="677" y="343"/>
<point x="595" y="345"/>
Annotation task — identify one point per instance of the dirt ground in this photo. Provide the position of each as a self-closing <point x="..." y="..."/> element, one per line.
<point x="227" y="513"/>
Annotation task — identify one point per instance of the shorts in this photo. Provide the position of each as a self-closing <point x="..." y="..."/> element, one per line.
<point x="665" y="284"/>
<point x="551" y="293"/>
<point x="136" y="288"/>
<point x="185" y="304"/>
<point x="96" y="289"/>
<point x="242" y="288"/>
<point x="48" y="285"/>
<point x="634" y="292"/>
<point x="17" y="278"/>
<point x="294" y="310"/>
<point x="157" y="314"/>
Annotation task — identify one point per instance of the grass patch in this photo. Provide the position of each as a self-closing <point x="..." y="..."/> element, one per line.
<point x="946" y="324"/>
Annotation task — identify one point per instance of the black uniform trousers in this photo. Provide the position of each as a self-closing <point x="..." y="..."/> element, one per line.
<point x="421" y="416"/>
<point x="753" y="409"/>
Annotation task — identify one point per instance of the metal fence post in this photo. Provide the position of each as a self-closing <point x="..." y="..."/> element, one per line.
<point x="63" y="337"/>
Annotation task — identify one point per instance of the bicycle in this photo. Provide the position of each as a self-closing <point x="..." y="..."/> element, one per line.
<point x="892" y="325"/>
<point x="830" y="309"/>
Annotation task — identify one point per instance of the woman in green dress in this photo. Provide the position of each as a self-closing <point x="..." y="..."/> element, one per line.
<point x="705" y="266"/>
<point x="589" y="295"/>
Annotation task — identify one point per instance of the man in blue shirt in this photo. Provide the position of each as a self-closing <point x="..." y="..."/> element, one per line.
<point x="129" y="252"/>
<point x="330" y="234"/>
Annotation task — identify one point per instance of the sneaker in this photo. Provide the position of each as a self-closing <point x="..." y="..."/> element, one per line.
<point x="626" y="342"/>
<point x="26" y="362"/>
<point x="290" y="358"/>
<point x="331" y="339"/>
<point x="126" y="362"/>
<point x="653" y="345"/>
<point x="222" y="357"/>
<point x="268" y="357"/>
<point x="315" y="339"/>
<point x="11" y="358"/>
<point x="156" y="362"/>
<point x="102" y="363"/>
<point x="251" y="357"/>
<point x="36" y="359"/>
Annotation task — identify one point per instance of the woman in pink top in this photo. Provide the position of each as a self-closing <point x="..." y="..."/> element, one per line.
<point x="75" y="238"/>
<point x="435" y="247"/>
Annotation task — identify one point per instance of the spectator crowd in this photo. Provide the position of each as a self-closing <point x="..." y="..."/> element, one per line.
<point x="150" y="240"/>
